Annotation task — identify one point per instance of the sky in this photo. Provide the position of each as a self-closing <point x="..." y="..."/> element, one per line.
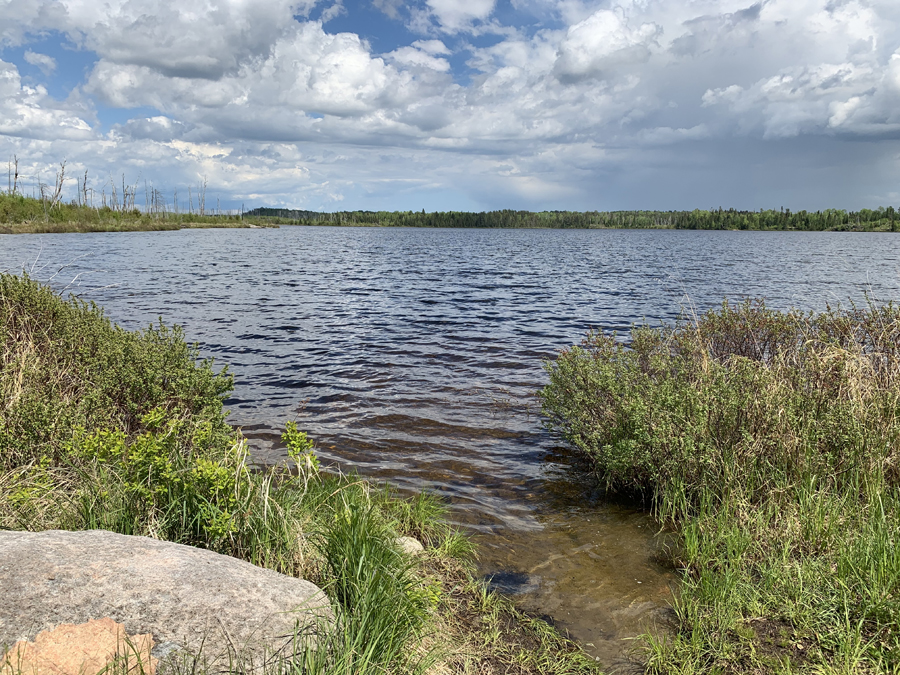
<point x="460" y="104"/>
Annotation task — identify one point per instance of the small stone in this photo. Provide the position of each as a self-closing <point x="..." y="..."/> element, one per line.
<point x="410" y="545"/>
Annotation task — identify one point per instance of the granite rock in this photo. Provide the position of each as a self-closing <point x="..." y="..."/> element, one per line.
<point x="183" y="596"/>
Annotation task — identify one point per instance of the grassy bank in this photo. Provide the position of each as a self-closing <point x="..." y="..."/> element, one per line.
<point x="125" y="431"/>
<point x="26" y="215"/>
<point x="768" y="442"/>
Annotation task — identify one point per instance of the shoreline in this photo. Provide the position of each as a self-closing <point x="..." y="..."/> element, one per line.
<point x="126" y="226"/>
<point x="28" y="215"/>
<point x="139" y="445"/>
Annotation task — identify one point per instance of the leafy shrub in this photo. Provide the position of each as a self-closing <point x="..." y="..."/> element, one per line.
<point x="65" y="366"/>
<point x="743" y="398"/>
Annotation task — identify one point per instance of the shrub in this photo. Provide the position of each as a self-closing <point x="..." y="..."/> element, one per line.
<point x="768" y="441"/>
<point x="742" y="399"/>
<point x="65" y="366"/>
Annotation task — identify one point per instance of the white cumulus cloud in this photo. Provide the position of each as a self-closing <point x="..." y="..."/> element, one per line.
<point x="47" y="64"/>
<point x="570" y="103"/>
<point x="602" y="45"/>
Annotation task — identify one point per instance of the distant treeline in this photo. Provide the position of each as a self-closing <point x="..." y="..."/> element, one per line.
<point x="721" y="219"/>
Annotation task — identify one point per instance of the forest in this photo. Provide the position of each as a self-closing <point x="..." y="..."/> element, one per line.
<point x="880" y="219"/>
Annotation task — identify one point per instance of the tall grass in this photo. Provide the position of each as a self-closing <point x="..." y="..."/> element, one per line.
<point x="769" y="442"/>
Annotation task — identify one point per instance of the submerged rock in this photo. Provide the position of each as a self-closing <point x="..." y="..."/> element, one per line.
<point x="181" y="595"/>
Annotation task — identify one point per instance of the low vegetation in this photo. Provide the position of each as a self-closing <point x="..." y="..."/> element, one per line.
<point x="769" y="442"/>
<point x="125" y="431"/>
<point x="28" y="215"/>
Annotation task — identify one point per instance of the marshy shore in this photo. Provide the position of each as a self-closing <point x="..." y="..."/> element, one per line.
<point x="28" y="215"/>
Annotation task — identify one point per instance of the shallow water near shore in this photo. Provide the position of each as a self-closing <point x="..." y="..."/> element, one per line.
<point x="413" y="356"/>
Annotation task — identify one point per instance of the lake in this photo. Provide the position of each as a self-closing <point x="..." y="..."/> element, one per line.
<point x="413" y="356"/>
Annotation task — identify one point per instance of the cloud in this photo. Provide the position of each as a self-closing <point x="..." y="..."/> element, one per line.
<point x="47" y="64"/>
<point x="390" y="7"/>
<point x="433" y="47"/>
<point x="602" y="45"/>
<point x="456" y="15"/>
<point x="196" y="40"/>
<point x="562" y="96"/>
<point x="824" y="98"/>
<point x="158" y="128"/>
<point x="30" y="112"/>
<point x="417" y="57"/>
<point x="336" y="10"/>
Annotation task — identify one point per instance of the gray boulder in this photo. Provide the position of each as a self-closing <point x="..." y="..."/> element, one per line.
<point x="185" y="597"/>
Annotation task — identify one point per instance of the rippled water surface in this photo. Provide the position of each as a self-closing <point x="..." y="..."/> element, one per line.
<point x="413" y="356"/>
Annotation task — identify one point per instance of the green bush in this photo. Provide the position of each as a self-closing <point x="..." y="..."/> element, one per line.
<point x="742" y="399"/>
<point x="64" y="366"/>
<point x="770" y="443"/>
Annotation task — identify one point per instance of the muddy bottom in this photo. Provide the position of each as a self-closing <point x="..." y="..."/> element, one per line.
<point x="595" y="568"/>
<point x="594" y="579"/>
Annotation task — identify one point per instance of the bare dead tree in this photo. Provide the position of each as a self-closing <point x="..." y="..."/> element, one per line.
<point x="58" y="188"/>
<point x="114" y="196"/>
<point x="201" y="196"/>
<point x="133" y="193"/>
<point x="159" y="202"/>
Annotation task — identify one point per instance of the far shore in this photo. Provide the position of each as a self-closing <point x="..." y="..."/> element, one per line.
<point x="137" y="225"/>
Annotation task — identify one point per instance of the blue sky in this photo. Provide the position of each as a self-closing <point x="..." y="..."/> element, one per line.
<point x="466" y="105"/>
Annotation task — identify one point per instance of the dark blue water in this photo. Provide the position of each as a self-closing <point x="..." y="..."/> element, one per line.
<point x="413" y="356"/>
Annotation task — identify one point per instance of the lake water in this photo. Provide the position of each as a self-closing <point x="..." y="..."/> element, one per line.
<point x="413" y="356"/>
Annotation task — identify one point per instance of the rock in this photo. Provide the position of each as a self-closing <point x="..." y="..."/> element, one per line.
<point x="98" y="646"/>
<point x="179" y="594"/>
<point x="410" y="545"/>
